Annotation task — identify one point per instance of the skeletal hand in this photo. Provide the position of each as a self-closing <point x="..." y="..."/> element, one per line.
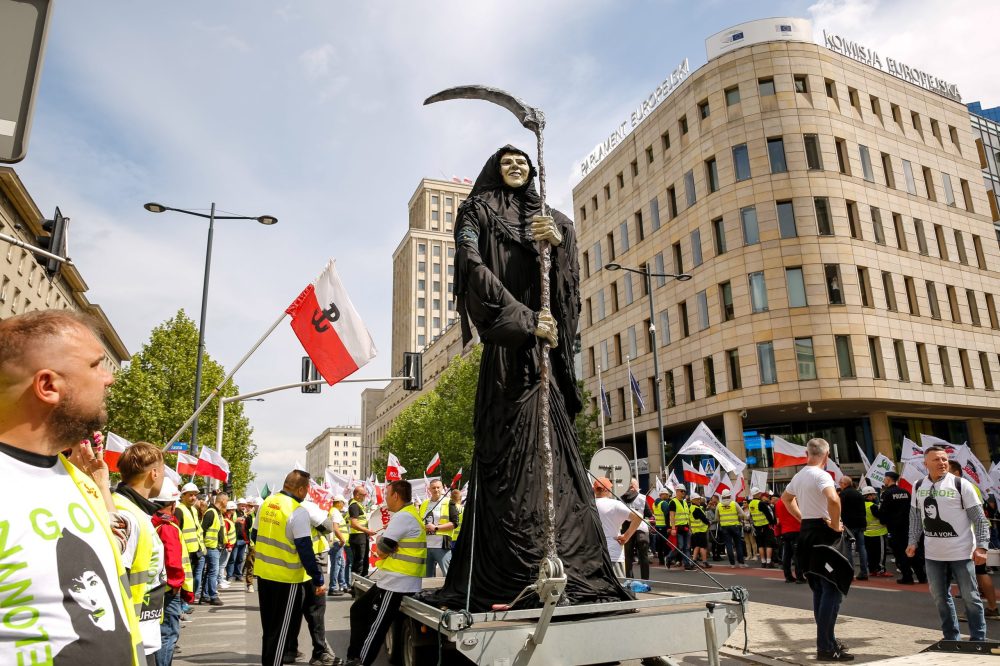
<point x="547" y="328"/>
<point x="544" y="228"/>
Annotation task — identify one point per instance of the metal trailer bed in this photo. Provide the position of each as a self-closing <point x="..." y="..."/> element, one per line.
<point x="664" y="622"/>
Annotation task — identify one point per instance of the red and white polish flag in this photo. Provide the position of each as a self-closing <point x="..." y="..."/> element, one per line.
<point x="694" y="475"/>
<point x="114" y="447"/>
<point x="186" y="464"/>
<point x="456" y="479"/>
<point x="787" y="454"/>
<point x="329" y="328"/>
<point x="394" y="471"/>
<point x="212" y="465"/>
<point x="434" y="463"/>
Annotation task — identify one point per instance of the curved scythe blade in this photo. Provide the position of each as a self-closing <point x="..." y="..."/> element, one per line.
<point x="529" y="116"/>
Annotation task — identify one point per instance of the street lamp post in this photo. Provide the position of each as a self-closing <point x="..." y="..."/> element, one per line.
<point x="211" y="217"/>
<point x="649" y="275"/>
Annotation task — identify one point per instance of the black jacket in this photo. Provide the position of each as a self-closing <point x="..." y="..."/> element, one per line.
<point x="852" y="509"/>
<point x="894" y="508"/>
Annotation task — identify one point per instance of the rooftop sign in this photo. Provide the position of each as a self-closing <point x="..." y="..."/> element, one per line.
<point x="641" y="112"/>
<point x="870" y="57"/>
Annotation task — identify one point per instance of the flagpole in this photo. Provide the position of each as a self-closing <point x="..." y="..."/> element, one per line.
<point x="225" y="380"/>
<point x="600" y="389"/>
<point x="631" y="405"/>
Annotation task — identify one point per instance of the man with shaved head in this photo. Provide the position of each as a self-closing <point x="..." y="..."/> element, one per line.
<point x="55" y="537"/>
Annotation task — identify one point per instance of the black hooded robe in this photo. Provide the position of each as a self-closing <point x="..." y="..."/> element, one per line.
<point x="498" y="289"/>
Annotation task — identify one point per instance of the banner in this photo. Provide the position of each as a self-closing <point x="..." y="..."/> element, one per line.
<point x="877" y="470"/>
<point x="703" y="442"/>
<point x="758" y="480"/>
<point x="973" y="470"/>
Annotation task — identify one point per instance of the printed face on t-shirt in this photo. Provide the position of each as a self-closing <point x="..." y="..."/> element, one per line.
<point x="91" y="593"/>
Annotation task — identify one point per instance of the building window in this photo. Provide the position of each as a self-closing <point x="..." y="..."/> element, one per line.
<point x="421" y="285"/>
<point x="605" y="355"/>
<point x="801" y="83"/>
<point x="875" y="351"/>
<point x="696" y="256"/>
<point x="766" y="87"/>
<point x="911" y="185"/>
<point x="719" y="235"/>
<point x="831" y="88"/>
<point x="665" y="140"/>
<point x="654" y="213"/>
<point x="963" y="359"/>
<point x="843" y="163"/>
<point x="660" y="267"/>
<point x="671" y="202"/>
<point x="956" y="315"/>
<point x="765" y="359"/>
<point x="612" y="254"/>
<point x="845" y="358"/>
<point x="834" y="287"/>
<point x="866" y="164"/>
<point x="640" y="230"/>
<point x="929" y="184"/>
<point x="634" y="165"/>
<point x="890" y="291"/>
<point x="864" y="284"/>
<point x="963" y="257"/>
<point x="703" y="321"/>
<point x="598" y="258"/>
<point x="726" y="300"/>
<point x="949" y="194"/>
<point x="629" y="295"/>
<point x="620" y="179"/>
<point x="941" y="243"/>
<point x="970" y="296"/>
<point x="649" y="155"/>
<point x="823" y="224"/>
<point x="741" y="162"/>
<point x="623" y="234"/>
<point x="748" y="220"/>
<point x="682" y="123"/>
<point x="925" y="367"/>
<point x="689" y="190"/>
<point x="991" y="309"/>
<point x="704" y="111"/>
<point x="758" y="292"/>
<point x="918" y="228"/>
<point x="796" y="287"/>
<point x="664" y="328"/>
<point x="776" y="154"/>
<point x="678" y="259"/>
<point x="601" y="307"/>
<point x="814" y="159"/>
<point x="852" y="220"/>
<point x="890" y="178"/>
<point x="852" y="94"/>
<point x="633" y="343"/>
<point x="902" y="371"/>
<point x="984" y="365"/>
<point x="911" y="296"/>
<point x="805" y="358"/>
<point x="967" y="195"/>
<point x="733" y="365"/>
<point x="897" y="224"/>
<point x="897" y="116"/>
<point x="876" y="107"/>
<point x="732" y="95"/>
<point x="671" y="389"/>
<point x="786" y="219"/>
<point x="932" y="300"/>
<point x="945" y="361"/>
<point x="682" y="314"/>
<point x="607" y="193"/>
<point x="689" y="381"/>
<point x="709" y="367"/>
<point x="712" y="174"/>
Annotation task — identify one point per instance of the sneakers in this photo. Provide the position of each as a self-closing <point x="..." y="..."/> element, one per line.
<point x="744" y="565"/>
<point x="324" y="659"/>
<point x="840" y="654"/>
<point x="249" y="589"/>
<point x="992" y="613"/>
<point x="865" y="577"/>
<point x="224" y="585"/>
<point x="216" y="602"/>
<point x="905" y="581"/>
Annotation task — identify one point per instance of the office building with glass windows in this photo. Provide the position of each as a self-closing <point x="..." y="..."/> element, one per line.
<point x="842" y="252"/>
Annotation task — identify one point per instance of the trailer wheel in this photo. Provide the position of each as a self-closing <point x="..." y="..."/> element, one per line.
<point x="394" y="643"/>
<point x="414" y="648"/>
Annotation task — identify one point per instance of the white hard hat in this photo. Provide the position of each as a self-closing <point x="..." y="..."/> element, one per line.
<point x="189" y="488"/>
<point x="242" y="500"/>
<point x="868" y="490"/>
<point x="168" y="492"/>
<point x="257" y="501"/>
<point x="694" y="495"/>
<point x="726" y="493"/>
<point x="340" y="498"/>
<point x="230" y="505"/>
<point x="755" y="490"/>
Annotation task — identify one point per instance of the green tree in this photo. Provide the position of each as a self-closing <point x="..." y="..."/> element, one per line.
<point x="152" y="397"/>
<point x="442" y="421"/>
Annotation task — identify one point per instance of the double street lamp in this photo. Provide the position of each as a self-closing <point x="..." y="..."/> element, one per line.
<point x="211" y="217"/>
<point x="649" y="275"/>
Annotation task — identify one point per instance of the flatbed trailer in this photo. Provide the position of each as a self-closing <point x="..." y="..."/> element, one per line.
<point x="668" y="621"/>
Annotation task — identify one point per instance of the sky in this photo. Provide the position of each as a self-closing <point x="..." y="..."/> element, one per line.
<point x="311" y="111"/>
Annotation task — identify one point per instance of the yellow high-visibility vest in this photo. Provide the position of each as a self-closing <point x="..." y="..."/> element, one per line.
<point x="142" y="575"/>
<point x="458" y="528"/>
<point x="682" y="514"/>
<point x="191" y="530"/>
<point x="363" y="518"/>
<point x="411" y="558"/>
<point x="426" y="504"/>
<point x="728" y="515"/>
<point x="659" y="517"/>
<point x="277" y="558"/>
<point x="230" y="531"/>
<point x="756" y="515"/>
<point x="697" y="526"/>
<point x="212" y="533"/>
<point x="188" y="584"/>
<point x="873" y="526"/>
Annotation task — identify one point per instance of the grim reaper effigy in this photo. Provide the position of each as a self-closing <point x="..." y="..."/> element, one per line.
<point x="530" y="500"/>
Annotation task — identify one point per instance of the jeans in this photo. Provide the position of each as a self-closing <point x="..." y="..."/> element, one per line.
<point x="732" y="535"/>
<point x="789" y="544"/>
<point x="440" y="557"/>
<point x="339" y="571"/>
<point x="170" y="630"/>
<point x="197" y="570"/>
<point x="235" y="567"/>
<point x="962" y="572"/>
<point x="826" y="606"/>
<point x="859" y="542"/>
<point x="224" y="556"/>
<point x="210" y="580"/>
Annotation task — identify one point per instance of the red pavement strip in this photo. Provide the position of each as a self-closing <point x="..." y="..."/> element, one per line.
<point x="886" y="584"/>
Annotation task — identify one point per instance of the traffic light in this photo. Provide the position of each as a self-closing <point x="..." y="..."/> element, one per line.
<point x="414" y="371"/>
<point x="310" y="374"/>
<point x="55" y="242"/>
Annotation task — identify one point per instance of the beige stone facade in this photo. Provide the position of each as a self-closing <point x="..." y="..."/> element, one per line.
<point x="339" y="448"/>
<point x="843" y="259"/>
<point x="24" y="284"/>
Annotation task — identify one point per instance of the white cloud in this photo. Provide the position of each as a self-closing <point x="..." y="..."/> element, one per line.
<point x="316" y="61"/>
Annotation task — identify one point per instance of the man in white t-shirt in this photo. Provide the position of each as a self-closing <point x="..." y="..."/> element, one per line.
<point x="947" y="512"/>
<point x="56" y="549"/>
<point x="339" y="567"/>
<point x="613" y="512"/>
<point x="811" y="497"/>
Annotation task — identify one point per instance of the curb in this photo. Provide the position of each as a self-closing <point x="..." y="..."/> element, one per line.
<point x="751" y="658"/>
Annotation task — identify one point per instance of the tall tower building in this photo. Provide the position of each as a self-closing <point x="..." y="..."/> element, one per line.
<point x="422" y="268"/>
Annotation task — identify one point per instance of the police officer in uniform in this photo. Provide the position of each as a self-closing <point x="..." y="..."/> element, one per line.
<point x="894" y="512"/>
<point x="402" y="549"/>
<point x="286" y="559"/>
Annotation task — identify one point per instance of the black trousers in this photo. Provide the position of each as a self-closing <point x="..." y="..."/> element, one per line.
<point x="907" y="566"/>
<point x="637" y="545"/>
<point x="372" y="614"/>
<point x="875" y="545"/>
<point x="789" y="545"/>
<point x="280" y="619"/>
<point x="314" y="612"/>
<point x="359" y="554"/>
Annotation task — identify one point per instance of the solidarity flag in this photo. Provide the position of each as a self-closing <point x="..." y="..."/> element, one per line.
<point x="394" y="471"/>
<point x="672" y="481"/>
<point x="186" y="464"/>
<point x="638" y="393"/>
<point x="434" y="463"/>
<point x="693" y="474"/>
<point x="329" y="328"/>
<point x="212" y="465"/>
<point x="114" y="447"/>
<point x="320" y="496"/>
<point x="876" y="473"/>
<point x="787" y="454"/>
<point x="973" y="470"/>
<point x="703" y="442"/>
<point x="456" y="479"/>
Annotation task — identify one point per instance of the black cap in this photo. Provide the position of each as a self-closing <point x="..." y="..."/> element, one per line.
<point x="892" y="475"/>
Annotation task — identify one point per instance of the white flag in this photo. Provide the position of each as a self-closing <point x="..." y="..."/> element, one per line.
<point x="834" y="469"/>
<point x="911" y="451"/>
<point x="672" y="482"/>
<point x="879" y="466"/>
<point x="703" y="442"/>
<point x="973" y="470"/>
<point x="864" y="458"/>
<point x="758" y="480"/>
